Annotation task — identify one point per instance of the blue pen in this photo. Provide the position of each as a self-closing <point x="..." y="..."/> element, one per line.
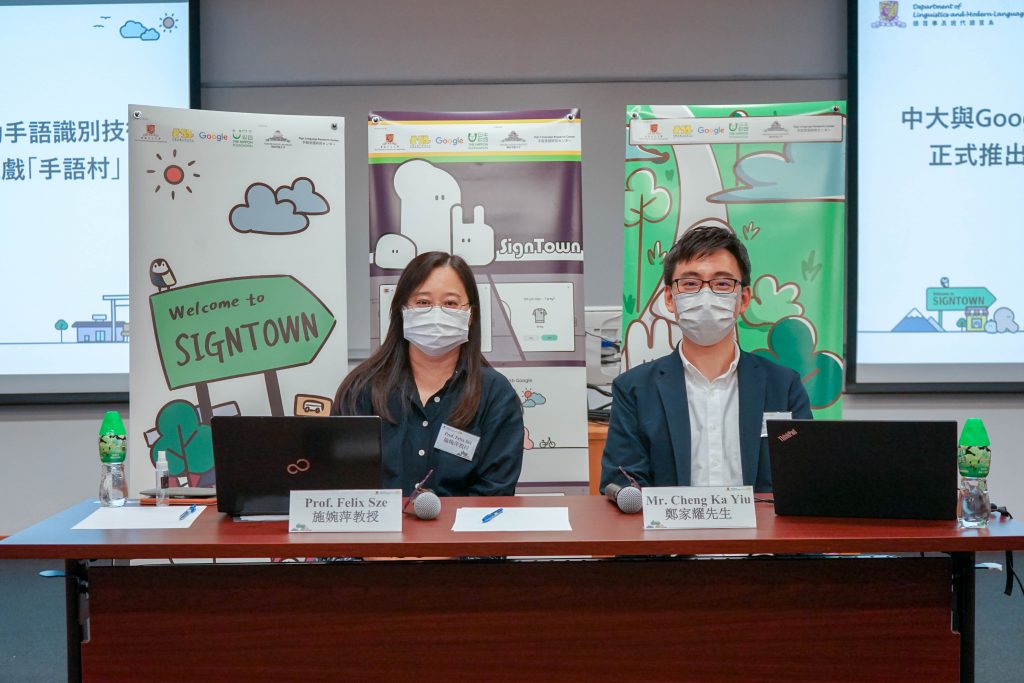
<point x="186" y="513"/>
<point x="491" y="515"/>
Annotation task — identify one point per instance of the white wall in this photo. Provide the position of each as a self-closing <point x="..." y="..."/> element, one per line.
<point x="325" y="57"/>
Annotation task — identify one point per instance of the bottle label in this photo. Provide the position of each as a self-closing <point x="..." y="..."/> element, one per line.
<point x="112" y="447"/>
<point x="974" y="461"/>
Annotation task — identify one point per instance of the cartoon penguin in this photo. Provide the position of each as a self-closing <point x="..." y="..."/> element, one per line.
<point x="161" y="275"/>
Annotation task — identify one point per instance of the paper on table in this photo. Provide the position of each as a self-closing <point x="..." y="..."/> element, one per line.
<point x="513" y="519"/>
<point x="261" y="518"/>
<point x="132" y="517"/>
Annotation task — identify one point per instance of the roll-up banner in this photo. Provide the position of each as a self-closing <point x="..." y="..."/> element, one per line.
<point x="237" y="282"/>
<point x="774" y="174"/>
<point x="502" y="190"/>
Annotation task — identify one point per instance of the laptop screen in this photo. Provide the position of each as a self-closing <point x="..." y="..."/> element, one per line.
<point x="258" y="461"/>
<point x="854" y="468"/>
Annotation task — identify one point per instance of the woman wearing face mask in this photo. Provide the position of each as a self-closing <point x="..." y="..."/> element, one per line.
<point x="696" y="417"/>
<point x="443" y="407"/>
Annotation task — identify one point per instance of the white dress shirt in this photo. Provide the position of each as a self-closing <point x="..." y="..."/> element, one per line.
<point x="714" y="407"/>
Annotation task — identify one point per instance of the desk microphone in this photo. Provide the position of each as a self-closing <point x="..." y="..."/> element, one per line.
<point x="426" y="505"/>
<point x="628" y="498"/>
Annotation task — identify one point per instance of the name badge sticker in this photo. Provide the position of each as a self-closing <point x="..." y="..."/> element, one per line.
<point x="773" y="416"/>
<point x="699" y="507"/>
<point x="457" y="442"/>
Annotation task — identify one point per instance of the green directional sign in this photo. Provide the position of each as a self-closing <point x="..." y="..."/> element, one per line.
<point x="957" y="298"/>
<point x="239" y="326"/>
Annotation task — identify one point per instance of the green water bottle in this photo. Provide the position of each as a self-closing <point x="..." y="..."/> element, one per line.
<point x="113" y="440"/>
<point x="974" y="459"/>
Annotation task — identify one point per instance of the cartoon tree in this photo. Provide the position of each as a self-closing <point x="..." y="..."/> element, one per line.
<point x="792" y="343"/>
<point x="961" y="323"/>
<point x="187" y="442"/>
<point x="60" y="326"/>
<point x="646" y="202"/>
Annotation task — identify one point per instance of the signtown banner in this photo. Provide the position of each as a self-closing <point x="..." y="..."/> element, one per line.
<point x="502" y="190"/>
<point x="236" y="277"/>
<point x="774" y="174"/>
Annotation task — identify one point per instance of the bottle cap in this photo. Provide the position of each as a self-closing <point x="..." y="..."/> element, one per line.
<point x="974" y="433"/>
<point x="161" y="459"/>
<point x="112" y="423"/>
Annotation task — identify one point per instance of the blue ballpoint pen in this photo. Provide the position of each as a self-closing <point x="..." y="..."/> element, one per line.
<point x="491" y="515"/>
<point x="186" y="513"/>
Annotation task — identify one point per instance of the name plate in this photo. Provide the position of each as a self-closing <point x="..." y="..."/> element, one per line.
<point x="699" y="507"/>
<point x="345" y="510"/>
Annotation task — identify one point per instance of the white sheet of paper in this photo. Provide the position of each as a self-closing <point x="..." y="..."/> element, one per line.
<point x="140" y="517"/>
<point x="261" y="518"/>
<point x="513" y="519"/>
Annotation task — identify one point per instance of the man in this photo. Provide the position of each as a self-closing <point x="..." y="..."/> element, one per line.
<point x="695" y="417"/>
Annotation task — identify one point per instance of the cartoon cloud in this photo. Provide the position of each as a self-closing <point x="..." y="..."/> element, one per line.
<point x="263" y="213"/>
<point x="304" y="196"/>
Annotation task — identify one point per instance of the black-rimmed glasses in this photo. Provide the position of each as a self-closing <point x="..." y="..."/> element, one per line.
<point x="692" y="285"/>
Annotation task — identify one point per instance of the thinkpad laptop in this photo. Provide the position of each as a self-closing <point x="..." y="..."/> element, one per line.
<point x="258" y="461"/>
<point x="903" y="470"/>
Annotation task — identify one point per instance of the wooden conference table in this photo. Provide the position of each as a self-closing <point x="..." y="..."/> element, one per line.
<point x="647" y="610"/>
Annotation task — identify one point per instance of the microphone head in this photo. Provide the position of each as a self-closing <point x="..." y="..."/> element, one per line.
<point x="630" y="500"/>
<point x="426" y="505"/>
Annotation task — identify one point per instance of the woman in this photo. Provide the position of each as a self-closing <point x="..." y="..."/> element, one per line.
<point x="429" y="380"/>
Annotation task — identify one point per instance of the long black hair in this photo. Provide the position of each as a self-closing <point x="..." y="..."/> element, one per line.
<point x="387" y="370"/>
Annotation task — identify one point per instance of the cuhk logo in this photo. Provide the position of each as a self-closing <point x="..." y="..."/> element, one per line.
<point x="389" y="138"/>
<point x="150" y="129"/>
<point x="888" y="14"/>
<point x="654" y="128"/>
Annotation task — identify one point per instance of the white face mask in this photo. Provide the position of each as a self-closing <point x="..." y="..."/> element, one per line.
<point x="435" y="331"/>
<point x="706" y="318"/>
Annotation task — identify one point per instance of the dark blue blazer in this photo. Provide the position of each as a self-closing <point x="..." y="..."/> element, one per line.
<point x="649" y="433"/>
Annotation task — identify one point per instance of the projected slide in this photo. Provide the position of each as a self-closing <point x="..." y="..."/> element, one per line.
<point x="940" y="120"/>
<point x="72" y="70"/>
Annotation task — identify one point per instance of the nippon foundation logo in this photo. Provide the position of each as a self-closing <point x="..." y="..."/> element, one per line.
<point x="182" y="135"/>
<point x="419" y="141"/>
<point x="739" y="129"/>
<point x="786" y="436"/>
<point x="682" y="130"/>
<point x="277" y="141"/>
<point x="888" y="15"/>
<point x="477" y="140"/>
<point x="242" y="137"/>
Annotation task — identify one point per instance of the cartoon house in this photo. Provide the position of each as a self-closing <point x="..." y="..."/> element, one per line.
<point x="99" y="329"/>
<point x="977" y="317"/>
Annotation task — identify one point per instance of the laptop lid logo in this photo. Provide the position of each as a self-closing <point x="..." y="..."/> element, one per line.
<point x="786" y="436"/>
<point x="300" y="465"/>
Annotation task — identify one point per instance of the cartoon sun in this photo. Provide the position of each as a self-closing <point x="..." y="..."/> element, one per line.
<point x="173" y="173"/>
<point x="168" y="23"/>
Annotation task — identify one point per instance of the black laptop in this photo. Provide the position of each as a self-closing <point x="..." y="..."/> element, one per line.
<point x="258" y="461"/>
<point x="902" y="470"/>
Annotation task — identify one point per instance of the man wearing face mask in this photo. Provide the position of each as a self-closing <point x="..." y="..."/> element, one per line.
<point x="696" y="416"/>
<point x="444" y="408"/>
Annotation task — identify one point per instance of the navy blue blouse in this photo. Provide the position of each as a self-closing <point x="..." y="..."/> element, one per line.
<point x="408" y="446"/>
